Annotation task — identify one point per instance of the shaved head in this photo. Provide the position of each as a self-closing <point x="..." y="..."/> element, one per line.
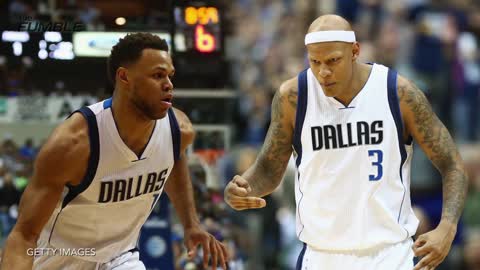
<point x="329" y="22"/>
<point x="333" y="63"/>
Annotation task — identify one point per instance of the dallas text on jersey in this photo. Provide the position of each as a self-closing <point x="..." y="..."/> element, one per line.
<point x="331" y="137"/>
<point x="121" y="189"/>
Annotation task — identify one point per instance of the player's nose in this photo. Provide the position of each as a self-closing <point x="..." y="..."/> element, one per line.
<point x="168" y="85"/>
<point x="324" y="72"/>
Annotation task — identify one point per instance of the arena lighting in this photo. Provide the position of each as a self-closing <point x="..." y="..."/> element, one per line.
<point x="17" y="48"/>
<point x="47" y="45"/>
<point x="13" y="36"/>
<point x="120" y="21"/>
<point x="43" y="54"/>
<point x="53" y="36"/>
<point x="99" y="44"/>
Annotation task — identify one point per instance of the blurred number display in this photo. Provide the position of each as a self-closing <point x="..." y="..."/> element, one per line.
<point x="201" y="27"/>
<point x="38" y="45"/>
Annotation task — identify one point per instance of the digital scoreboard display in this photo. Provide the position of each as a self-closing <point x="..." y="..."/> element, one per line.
<point x="196" y="27"/>
<point x="200" y="26"/>
<point x="45" y="45"/>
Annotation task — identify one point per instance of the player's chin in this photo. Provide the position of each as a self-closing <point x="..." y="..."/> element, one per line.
<point x="161" y="114"/>
<point x="330" y="93"/>
<point x="156" y="114"/>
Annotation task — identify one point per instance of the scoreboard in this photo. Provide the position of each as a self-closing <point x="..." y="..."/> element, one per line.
<point x="195" y="27"/>
<point x="201" y="27"/>
<point x="193" y="31"/>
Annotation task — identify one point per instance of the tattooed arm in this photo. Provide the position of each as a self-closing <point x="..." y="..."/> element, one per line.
<point x="432" y="136"/>
<point x="266" y="173"/>
<point x="434" y="139"/>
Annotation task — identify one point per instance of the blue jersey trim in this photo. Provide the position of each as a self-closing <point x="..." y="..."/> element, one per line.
<point x="394" y="104"/>
<point x="54" y="223"/>
<point x="176" y="137"/>
<point x="93" y="160"/>
<point x="300" y="114"/>
<point x="300" y="257"/>
<point x="107" y="103"/>
<point x="297" y="133"/>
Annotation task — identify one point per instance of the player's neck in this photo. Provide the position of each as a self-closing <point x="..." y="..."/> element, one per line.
<point x="133" y="127"/>
<point x="360" y="75"/>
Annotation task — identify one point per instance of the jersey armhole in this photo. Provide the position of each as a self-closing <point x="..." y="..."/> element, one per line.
<point x="394" y="105"/>
<point x="176" y="135"/>
<point x="92" y="160"/>
<point x="300" y="114"/>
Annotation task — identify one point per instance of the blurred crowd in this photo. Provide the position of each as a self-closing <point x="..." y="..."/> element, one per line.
<point x="16" y="167"/>
<point x="435" y="43"/>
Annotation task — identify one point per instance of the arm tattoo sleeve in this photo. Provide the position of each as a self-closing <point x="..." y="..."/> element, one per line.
<point x="436" y="142"/>
<point x="267" y="172"/>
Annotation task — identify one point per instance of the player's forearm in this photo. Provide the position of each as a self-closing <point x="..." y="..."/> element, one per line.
<point x="264" y="176"/>
<point x="180" y="193"/>
<point x="16" y="252"/>
<point x="455" y="184"/>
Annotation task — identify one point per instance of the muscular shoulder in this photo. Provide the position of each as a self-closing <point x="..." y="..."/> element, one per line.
<point x="284" y="102"/>
<point x="186" y="129"/>
<point x="405" y="87"/>
<point x="289" y="90"/>
<point x="414" y="106"/>
<point x="409" y="95"/>
<point x="64" y="156"/>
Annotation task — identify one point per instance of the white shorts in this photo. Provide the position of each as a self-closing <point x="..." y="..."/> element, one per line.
<point x="129" y="260"/>
<point x="392" y="257"/>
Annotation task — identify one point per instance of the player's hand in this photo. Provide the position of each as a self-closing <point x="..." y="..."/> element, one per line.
<point x="434" y="246"/>
<point x="211" y="247"/>
<point x="236" y="195"/>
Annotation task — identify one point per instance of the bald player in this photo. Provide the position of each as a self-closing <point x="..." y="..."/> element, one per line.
<point x="350" y="127"/>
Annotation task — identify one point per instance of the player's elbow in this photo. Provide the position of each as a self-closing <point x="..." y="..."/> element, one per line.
<point x="451" y="166"/>
<point x="25" y="233"/>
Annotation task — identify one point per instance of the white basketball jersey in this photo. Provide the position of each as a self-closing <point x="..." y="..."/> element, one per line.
<point x="107" y="210"/>
<point x="353" y="169"/>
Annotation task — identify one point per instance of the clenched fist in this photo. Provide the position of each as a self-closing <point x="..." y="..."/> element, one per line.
<point x="237" y="195"/>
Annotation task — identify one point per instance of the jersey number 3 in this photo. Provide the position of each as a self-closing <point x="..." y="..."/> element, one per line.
<point x="378" y="159"/>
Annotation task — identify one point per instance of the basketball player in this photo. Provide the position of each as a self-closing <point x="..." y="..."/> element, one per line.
<point x="351" y="126"/>
<point x="101" y="172"/>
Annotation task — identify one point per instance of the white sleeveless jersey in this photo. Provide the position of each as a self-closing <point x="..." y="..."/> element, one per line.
<point x="353" y="169"/>
<point x="107" y="210"/>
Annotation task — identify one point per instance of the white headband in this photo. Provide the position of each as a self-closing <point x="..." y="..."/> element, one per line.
<point x="328" y="36"/>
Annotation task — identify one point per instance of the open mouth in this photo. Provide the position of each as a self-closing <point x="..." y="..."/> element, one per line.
<point x="167" y="102"/>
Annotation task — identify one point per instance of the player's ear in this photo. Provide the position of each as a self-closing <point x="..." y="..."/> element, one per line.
<point x="355" y="50"/>
<point x="122" y="75"/>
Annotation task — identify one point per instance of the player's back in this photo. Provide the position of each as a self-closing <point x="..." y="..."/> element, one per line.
<point x="352" y="186"/>
<point x="107" y="210"/>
